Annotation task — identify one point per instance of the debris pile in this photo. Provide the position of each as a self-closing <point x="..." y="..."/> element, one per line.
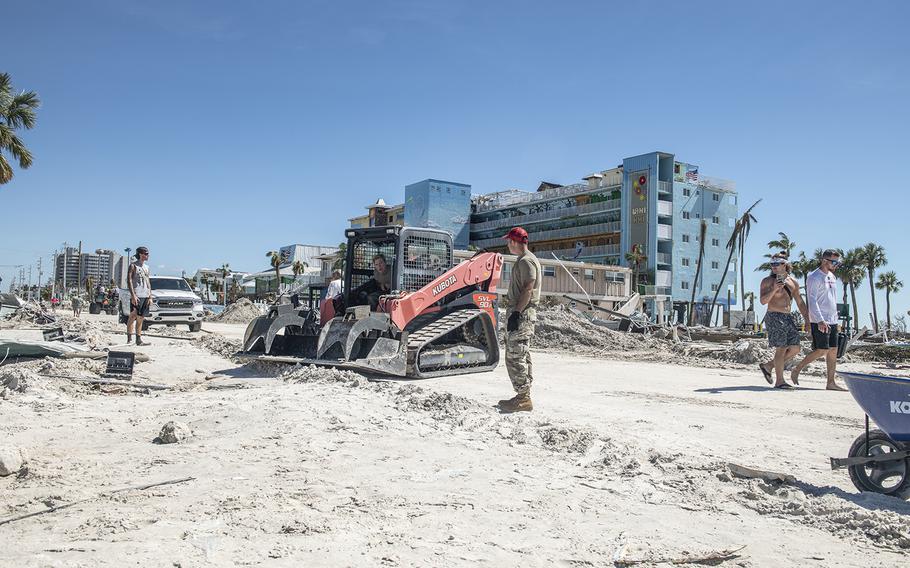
<point x="241" y="311"/>
<point x="561" y="329"/>
<point x="217" y="344"/>
<point x="744" y="351"/>
<point x="31" y="312"/>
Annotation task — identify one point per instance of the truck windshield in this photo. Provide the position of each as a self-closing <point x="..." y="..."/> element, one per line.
<point x="170" y="284"/>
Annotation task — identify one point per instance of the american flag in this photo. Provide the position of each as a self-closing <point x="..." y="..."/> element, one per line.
<point x="692" y="174"/>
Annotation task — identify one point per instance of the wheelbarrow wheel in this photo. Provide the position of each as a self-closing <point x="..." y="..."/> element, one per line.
<point x="890" y="477"/>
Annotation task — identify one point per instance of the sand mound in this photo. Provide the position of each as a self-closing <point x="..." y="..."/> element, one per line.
<point x="241" y="311"/>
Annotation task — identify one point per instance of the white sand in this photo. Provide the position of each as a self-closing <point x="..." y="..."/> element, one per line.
<point x="303" y="467"/>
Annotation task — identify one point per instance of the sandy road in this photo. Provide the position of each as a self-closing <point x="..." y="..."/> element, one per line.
<point x="329" y="469"/>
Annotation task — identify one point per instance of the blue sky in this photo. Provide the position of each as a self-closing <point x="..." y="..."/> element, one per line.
<point x="213" y="132"/>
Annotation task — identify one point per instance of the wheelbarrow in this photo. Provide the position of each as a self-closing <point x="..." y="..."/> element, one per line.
<point x="878" y="458"/>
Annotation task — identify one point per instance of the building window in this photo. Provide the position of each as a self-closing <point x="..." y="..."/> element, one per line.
<point x="697" y="238"/>
<point x="698" y="215"/>
<point x="714" y="287"/>
<point x="715" y="196"/>
<point x="589" y="274"/>
<point x="685" y="262"/>
<point x="549" y="271"/>
<point x="714" y="265"/>
<point x="685" y="238"/>
<point x="686" y="215"/>
<point x="715" y="243"/>
<point x="684" y="285"/>
<point x="687" y="192"/>
<point x="715" y="220"/>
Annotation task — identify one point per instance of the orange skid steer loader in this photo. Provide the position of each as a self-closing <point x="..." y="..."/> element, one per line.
<point x="423" y="317"/>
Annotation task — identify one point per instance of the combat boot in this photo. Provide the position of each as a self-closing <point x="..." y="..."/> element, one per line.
<point x="519" y="403"/>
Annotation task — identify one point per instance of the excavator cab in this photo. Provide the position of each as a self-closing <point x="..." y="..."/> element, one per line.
<point x="406" y="309"/>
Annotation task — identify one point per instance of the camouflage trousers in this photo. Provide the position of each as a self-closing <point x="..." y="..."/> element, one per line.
<point x="518" y="353"/>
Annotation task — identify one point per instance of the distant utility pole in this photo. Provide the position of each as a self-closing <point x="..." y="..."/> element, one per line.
<point x="29" y="281"/>
<point x="64" y="268"/>
<point x="79" y="274"/>
<point x="39" y="278"/>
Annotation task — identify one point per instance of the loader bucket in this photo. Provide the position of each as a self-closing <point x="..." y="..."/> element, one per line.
<point x="365" y="343"/>
<point x="298" y="326"/>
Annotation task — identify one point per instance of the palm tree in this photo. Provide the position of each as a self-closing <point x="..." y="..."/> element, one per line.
<point x="872" y="257"/>
<point x="851" y="272"/>
<point x="274" y="257"/>
<point x="16" y="111"/>
<point x="225" y="270"/>
<point x="340" y="257"/>
<point x="737" y="240"/>
<point x="299" y="267"/>
<point x="703" y="229"/>
<point x="636" y="258"/>
<point x="802" y="266"/>
<point x="782" y="244"/>
<point x="888" y="282"/>
<point x="745" y="227"/>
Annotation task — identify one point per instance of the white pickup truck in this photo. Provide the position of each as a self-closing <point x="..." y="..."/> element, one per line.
<point x="173" y="302"/>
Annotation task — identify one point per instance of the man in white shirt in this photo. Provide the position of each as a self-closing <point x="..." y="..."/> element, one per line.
<point x="334" y="288"/>
<point x="821" y="297"/>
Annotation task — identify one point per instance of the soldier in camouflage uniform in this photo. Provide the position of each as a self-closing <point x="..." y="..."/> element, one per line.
<point x="524" y="296"/>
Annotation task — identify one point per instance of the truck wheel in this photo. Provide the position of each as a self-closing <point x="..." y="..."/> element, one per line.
<point x="889" y="478"/>
<point x="94" y="308"/>
<point x="197" y="326"/>
<point x="123" y="318"/>
<point x="145" y="326"/>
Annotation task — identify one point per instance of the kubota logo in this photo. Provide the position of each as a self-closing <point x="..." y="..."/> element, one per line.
<point x="900" y="407"/>
<point x="443" y="285"/>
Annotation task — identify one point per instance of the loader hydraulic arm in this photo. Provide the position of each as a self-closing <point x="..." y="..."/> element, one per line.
<point x="482" y="271"/>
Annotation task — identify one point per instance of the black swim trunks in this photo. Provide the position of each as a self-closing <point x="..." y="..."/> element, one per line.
<point x="822" y="340"/>
<point x="782" y="331"/>
<point x="142" y="309"/>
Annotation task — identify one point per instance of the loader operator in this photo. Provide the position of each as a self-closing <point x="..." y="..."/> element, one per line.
<point x="524" y="296"/>
<point x="380" y="284"/>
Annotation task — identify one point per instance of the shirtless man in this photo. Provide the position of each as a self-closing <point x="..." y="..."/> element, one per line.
<point x="778" y="292"/>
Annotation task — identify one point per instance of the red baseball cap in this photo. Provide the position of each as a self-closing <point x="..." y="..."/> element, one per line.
<point x="518" y="235"/>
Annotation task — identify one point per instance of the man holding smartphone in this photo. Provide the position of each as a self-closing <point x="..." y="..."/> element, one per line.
<point x="821" y="295"/>
<point x="778" y="291"/>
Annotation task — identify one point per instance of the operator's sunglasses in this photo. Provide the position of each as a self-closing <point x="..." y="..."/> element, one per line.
<point x="834" y="262"/>
<point x="778" y="263"/>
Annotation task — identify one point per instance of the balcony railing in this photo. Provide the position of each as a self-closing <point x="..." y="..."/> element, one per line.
<point x="567" y="233"/>
<point x="509" y="198"/>
<point x="586" y="252"/>
<point x="664" y="258"/>
<point x="664" y="231"/>
<point x="665" y="186"/>
<point x="610" y="205"/>
<point x="664" y="208"/>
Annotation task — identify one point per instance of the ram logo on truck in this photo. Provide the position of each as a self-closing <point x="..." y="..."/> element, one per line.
<point x="443" y="285"/>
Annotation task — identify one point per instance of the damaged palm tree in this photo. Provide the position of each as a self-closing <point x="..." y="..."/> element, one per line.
<point x="737" y="241"/>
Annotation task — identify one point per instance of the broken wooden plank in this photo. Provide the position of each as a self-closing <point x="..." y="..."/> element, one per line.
<point x="770" y="476"/>
<point x="711" y="558"/>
